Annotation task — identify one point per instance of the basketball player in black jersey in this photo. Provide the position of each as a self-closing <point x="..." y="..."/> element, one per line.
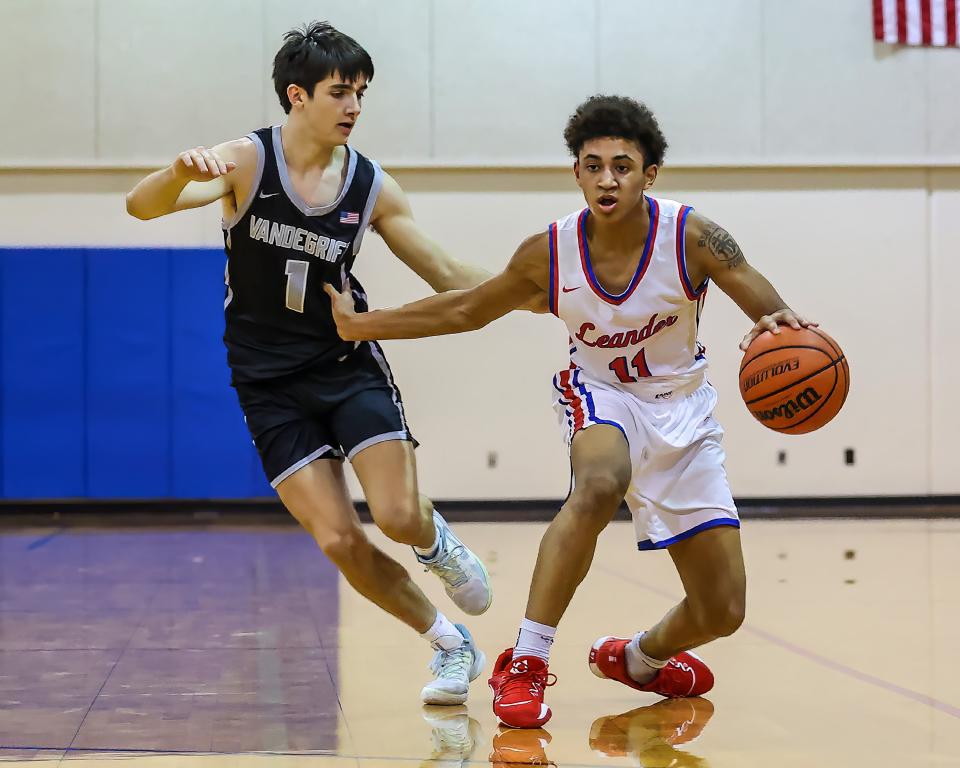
<point x="296" y="201"/>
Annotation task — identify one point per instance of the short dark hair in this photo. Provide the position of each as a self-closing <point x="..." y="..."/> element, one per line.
<point x="620" y="117"/>
<point x="314" y="51"/>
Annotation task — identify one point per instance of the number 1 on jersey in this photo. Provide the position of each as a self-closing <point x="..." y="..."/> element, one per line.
<point x="296" y="272"/>
<point x="639" y="362"/>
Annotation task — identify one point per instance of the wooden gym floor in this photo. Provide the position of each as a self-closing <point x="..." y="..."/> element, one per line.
<point x="241" y="647"/>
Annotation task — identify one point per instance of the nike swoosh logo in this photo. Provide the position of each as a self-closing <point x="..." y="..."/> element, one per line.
<point x="567" y="290"/>
<point x="264" y="197"/>
<point x="517" y="703"/>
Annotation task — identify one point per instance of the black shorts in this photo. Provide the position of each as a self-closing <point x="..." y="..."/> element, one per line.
<point x="329" y="412"/>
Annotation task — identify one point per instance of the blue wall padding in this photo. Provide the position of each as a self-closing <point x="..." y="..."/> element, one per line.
<point x="43" y="418"/>
<point x="211" y="446"/>
<point x="113" y="377"/>
<point x="128" y="374"/>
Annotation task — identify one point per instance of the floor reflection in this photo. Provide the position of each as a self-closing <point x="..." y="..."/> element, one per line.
<point x="454" y="734"/>
<point x="653" y="733"/>
<point x="526" y="746"/>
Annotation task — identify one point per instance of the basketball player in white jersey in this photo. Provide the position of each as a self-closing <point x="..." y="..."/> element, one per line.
<point x="296" y="202"/>
<point x="628" y="275"/>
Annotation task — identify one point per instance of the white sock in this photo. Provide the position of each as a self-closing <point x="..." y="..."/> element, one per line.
<point x="428" y="553"/>
<point x="534" y="640"/>
<point x="443" y="635"/>
<point x="641" y="667"/>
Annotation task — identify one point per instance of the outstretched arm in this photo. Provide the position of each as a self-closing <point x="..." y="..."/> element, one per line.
<point x="713" y="253"/>
<point x="523" y="282"/>
<point x="196" y="177"/>
<point x="393" y="220"/>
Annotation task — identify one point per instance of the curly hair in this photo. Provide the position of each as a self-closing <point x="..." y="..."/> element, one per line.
<point x="312" y="53"/>
<point x="620" y="117"/>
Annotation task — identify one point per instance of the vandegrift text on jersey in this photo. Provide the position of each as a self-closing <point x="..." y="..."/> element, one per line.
<point x="296" y="239"/>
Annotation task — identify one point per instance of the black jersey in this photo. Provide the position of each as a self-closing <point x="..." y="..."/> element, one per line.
<point x="280" y="252"/>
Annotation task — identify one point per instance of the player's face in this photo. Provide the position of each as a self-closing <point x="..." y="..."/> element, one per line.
<point x="334" y="108"/>
<point x="610" y="172"/>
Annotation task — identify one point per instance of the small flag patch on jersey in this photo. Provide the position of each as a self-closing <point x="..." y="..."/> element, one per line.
<point x="349" y="218"/>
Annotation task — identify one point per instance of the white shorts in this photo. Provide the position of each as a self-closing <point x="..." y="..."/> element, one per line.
<point x="678" y="485"/>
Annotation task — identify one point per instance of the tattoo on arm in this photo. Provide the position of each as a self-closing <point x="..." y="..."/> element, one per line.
<point x="721" y="245"/>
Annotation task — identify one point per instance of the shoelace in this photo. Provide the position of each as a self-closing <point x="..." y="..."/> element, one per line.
<point x="452" y="664"/>
<point x="535" y="682"/>
<point x="448" y="567"/>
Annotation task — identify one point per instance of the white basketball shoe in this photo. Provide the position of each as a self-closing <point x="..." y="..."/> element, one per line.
<point x="464" y="577"/>
<point x="453" y="671"/>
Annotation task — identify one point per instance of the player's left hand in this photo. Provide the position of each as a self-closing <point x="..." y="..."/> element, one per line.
<point x="773" y="322"/>
<point x="344" y="314"/>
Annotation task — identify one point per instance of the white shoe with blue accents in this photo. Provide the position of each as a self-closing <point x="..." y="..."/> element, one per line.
<point x="464" y="576"/>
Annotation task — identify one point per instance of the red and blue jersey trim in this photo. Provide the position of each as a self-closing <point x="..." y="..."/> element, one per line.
<point x="574" y="395"/>
<point x="553" y="292"/>
<point x="641" y="267"/>
<point x="691" y="293"/>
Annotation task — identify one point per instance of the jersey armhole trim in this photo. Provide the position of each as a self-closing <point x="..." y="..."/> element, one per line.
<point x="374" y="193"/>
<point x="554" y="270"/>
<point x="693" y="294"/>
<point x="254" y="187"/>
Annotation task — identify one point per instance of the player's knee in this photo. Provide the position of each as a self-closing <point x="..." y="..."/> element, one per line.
<point x="599" y="494"/>
<point x="400" y="519"/>
<point x="722" y="617"/>
<point x="343" y="546"/>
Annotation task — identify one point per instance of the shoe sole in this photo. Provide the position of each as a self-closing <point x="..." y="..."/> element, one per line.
<point x="596" y="649"/>
<point x="538" y="724"/>
<point x="443" y="698"/>
<point x="486" y="578"/>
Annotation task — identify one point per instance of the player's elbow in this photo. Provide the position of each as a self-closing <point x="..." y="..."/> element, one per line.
<point x="135" y="208"/>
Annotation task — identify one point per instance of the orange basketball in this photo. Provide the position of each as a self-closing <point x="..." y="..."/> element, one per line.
<point x="794" y="381"/>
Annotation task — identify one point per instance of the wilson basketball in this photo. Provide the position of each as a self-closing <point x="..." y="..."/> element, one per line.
<point x="794" y="381"/>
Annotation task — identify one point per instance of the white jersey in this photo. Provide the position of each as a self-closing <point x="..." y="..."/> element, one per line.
<point x="644" y="340"/>
<point x="636" y="364"/>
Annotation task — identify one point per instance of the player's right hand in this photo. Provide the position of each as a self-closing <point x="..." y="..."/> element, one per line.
<point x="344" y="310"/>
<point x="201" y="164"/>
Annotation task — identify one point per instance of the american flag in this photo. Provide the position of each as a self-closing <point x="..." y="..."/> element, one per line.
<point x="916" y="22"/>
<point x="349" y="218"/>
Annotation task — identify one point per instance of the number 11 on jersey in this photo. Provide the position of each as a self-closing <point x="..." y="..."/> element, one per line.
<point x="296" y="272"/>
<point x="639" y="362"/>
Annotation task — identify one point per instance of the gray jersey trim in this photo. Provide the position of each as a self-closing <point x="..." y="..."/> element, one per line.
<point x="254" y="188"/>
<point x="334" y="453"/>
<point x="376" y="440"/>
<point x="382" y="362"/>
<point x="371" y="202"/>
<point x="288" y="185"/>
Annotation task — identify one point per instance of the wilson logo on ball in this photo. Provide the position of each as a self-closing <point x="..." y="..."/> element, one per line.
<point x="791" y="408"/>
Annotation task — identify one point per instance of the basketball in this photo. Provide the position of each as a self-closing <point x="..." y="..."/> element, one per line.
<point x="795" y="381"/>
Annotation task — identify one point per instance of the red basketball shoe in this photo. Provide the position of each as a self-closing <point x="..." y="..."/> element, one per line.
<point x="518" y="688"/>
<point x="684" y="675"/>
